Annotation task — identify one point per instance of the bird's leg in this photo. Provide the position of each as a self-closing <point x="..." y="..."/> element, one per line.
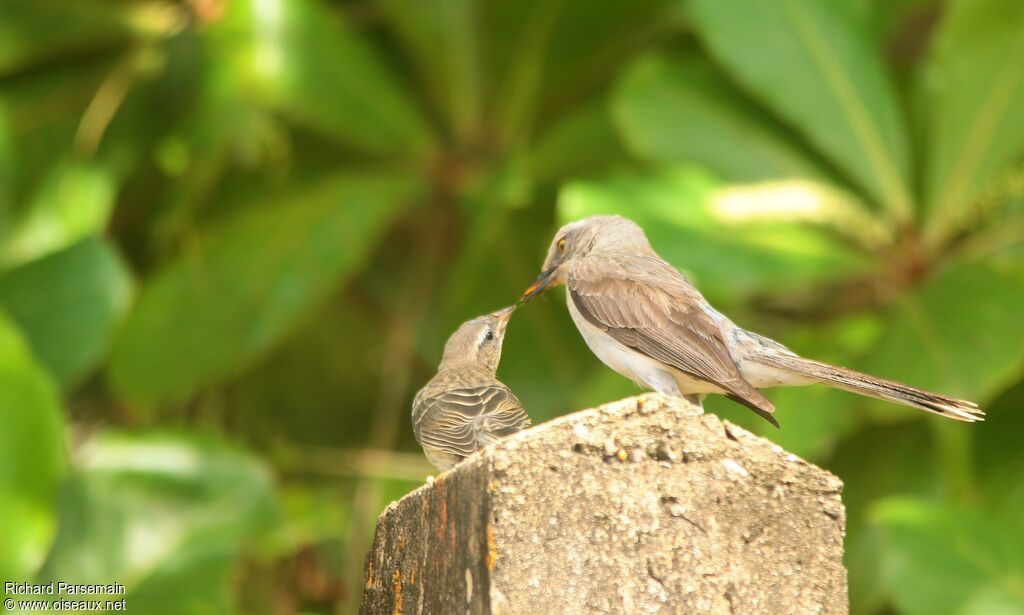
<point x="658" y="380"/>
<point x="697" y="399"/>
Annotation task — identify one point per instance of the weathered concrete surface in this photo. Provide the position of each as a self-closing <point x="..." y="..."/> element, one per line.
<point x="639" y="506"/>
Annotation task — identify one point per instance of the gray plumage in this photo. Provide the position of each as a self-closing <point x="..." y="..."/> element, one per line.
<point x="645" y="320"/>
<point x="465" y="407"/>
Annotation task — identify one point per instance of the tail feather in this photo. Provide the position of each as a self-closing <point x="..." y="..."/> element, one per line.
<point x="873" y="386"/>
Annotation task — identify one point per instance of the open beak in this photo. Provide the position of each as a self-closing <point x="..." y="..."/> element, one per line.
<point x="538" y="285"/>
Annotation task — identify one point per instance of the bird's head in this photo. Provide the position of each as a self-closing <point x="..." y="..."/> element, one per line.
<point x="596" y="234"/>
<point x="478" y="341"/>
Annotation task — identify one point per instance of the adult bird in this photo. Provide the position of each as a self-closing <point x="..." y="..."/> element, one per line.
<point x="646" y="321"/>
<point x="464" y="407"/>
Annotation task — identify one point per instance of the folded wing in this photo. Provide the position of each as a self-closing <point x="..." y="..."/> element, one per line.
<point x="648" y="306"/>
<point x="460" y="421"/>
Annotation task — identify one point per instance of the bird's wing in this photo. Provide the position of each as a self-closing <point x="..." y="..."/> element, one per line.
<point x="459" y="421"/>
<point x="647" y="305"/>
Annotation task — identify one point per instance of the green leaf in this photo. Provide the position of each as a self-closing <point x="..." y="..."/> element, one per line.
<point x="43" y="112"/>
<point x="313" y="390"/>
<point x="67" y="304"/>
<point x="7" y="173"/>
<point x="614" y="32"/>
<point x="159" y="513"/>
<point x="244" y="285"/>
<point x="950" y="561"/>
<point x="32" y="449"/>
<point x="813" y="64"/>
<point x="442" y="39"/>
<point x="298" y="56"/>
<point x="973" y="89"/>
<point x="545" y="60"/>
<point x="999" y="457"/>
<point x="959" y="334"/>
<point x="893" y="23"/>
<point x="74" y="201"/>
<point x="684" y="111"/>
<point x="898" y="464"/>
<point x="532" y="30"/>
<point x="581" y="143"/>
<point x="500" y="70"/>
<point x="730" y="254"/>
<point x="33" y="31"/>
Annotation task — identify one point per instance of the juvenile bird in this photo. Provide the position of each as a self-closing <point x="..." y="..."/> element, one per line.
<point x="464" y="407"/>
<point x="645" y="320"/>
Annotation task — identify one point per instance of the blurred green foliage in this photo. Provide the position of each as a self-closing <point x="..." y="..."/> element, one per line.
<point x="234" y="235"/>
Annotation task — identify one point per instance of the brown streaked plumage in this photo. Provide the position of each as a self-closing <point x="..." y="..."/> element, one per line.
<point x="645" y="320"/>
<point x="465" y="407"/>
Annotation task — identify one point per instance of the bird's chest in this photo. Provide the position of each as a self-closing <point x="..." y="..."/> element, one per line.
<point x="639" y="368"/>
<point x="609" y="351"/>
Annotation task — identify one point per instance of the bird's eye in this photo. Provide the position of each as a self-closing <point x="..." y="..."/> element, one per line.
<point x="560" y="246"/>
<point x="489" y="336"/>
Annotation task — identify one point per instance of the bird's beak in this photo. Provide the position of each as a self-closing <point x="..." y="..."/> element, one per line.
<point x="538" y="285"/>
<point x="503" y="315"/>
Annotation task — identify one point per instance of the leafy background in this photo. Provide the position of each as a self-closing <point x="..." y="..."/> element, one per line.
<point x="234" y="236"/>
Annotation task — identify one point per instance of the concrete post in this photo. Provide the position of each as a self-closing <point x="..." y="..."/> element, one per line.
<point x="639" y="506"/>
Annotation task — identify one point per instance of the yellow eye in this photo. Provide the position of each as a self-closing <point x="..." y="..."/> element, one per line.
<point x="560" y="245"/>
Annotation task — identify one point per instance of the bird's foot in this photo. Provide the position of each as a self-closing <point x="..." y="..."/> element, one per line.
<point x="696" y="399"/>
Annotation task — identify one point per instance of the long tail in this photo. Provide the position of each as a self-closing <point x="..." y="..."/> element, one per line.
<point x="872" y="386"/>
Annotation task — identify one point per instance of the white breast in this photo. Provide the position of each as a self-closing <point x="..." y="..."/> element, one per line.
<point x="641" y="369"/>
<point x="611" y="353"/>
